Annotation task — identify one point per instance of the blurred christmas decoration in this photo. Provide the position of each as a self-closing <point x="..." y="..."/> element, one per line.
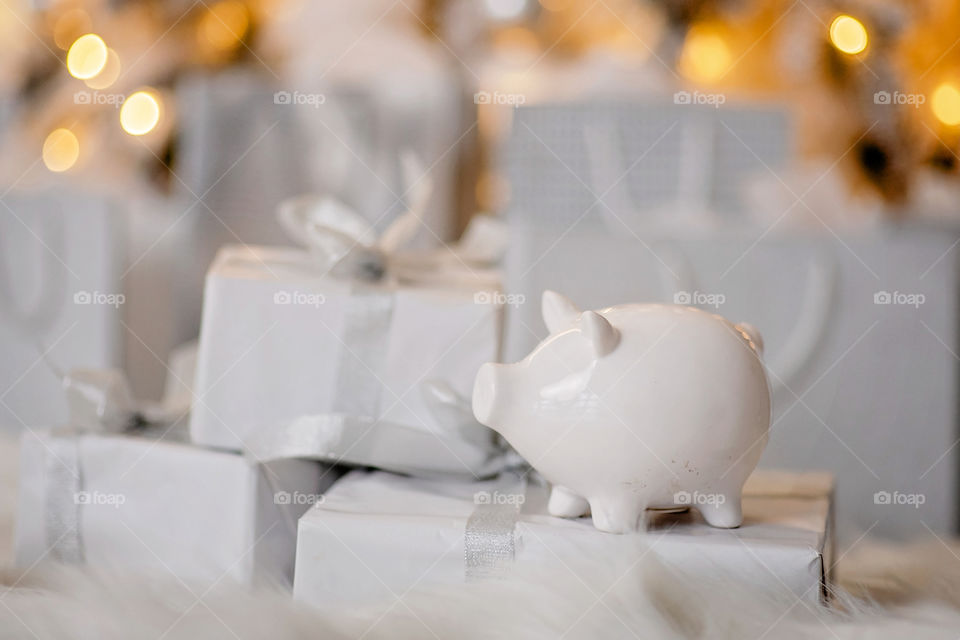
<point x="848" y="34"/>
<point x="140" y="113"/>
<point x="874" y="86"/>
<point x="60" y="150"/>
<point x="83" y="82"/>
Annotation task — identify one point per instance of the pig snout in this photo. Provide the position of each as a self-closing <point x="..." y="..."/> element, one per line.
<point x="486" y="389"/>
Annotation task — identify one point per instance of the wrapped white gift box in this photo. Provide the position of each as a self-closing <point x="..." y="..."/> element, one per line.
<point x="288" y="353"/>
<point x="149" y="504"/>
<point x="378" y="534"/>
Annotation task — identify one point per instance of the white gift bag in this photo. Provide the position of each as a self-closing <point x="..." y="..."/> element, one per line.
<point x="862" y="388"/>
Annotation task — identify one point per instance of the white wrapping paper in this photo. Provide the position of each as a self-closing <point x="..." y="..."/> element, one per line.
<point x="282" y="344"/>
<point x="138" y="503"/>
<point x="377" y="534"/>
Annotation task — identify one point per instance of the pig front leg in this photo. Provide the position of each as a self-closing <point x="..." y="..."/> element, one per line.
<point x="617" y="514"/>
<point x="566" y="504"/>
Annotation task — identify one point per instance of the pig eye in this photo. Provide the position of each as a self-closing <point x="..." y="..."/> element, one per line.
<point x="568" y="387"/>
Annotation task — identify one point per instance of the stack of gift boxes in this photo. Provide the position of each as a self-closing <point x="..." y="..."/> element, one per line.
<point x="331" y="445"/>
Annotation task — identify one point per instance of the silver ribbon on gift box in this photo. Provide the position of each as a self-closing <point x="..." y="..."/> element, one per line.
<point x="490" y="543"/>
<point x="61" y="506"/>
<point x="99" y="401"/>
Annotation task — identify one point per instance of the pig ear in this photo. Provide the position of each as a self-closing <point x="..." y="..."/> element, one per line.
<point x="598" y="330"/>
<point x="559" y="312"/>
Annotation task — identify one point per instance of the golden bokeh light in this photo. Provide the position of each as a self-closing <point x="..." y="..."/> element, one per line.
<point x="60" y="150"/>
<point x="225" y="24"/>
<point x="108" y="75"/>
<point x="521" y="41"/>
<point x="848" y="34"/>
<point x="87" y="56"/>
<point x="140" y="113"/>
<point x="705" y="56"/>
<point x="945" y="103"/>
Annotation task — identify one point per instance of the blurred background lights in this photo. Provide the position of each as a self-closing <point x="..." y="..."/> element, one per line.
<point x="705" y="56"/>
<point x="108" y="75"/>
<point x="946" y="104"/>
<point x="848" y="34"/>
<point x="506" y="9"/>
<point x="140" y="113"/>
<point x="87" y="56"/>
<point x="60" y="150"/>
<point x="69" y="26"/>
<point x="555" y="5"/>
<point x="225" y="24"/>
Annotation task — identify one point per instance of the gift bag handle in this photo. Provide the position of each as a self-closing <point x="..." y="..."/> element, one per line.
<point x="677" y="273"/>
<point x="36" y="321"/>
<point x="809" y="329"/>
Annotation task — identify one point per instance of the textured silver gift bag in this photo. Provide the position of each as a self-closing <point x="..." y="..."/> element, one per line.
<point x="861" y="388"/>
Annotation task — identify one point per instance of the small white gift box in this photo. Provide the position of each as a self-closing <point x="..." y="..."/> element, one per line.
<point x="378" y="534"/>
<point x="337" y="368"/>
<point x="142" y="503"/>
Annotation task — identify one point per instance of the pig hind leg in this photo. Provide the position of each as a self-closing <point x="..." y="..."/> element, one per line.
<point x="566" y="504"/>
<point x="618" y="514"/>
<point x="724" y="512"/>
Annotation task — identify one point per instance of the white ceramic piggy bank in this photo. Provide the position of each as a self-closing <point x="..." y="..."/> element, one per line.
<point x="633" y="407"/>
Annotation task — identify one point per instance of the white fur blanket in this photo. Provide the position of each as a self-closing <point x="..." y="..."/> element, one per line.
<point x="885" y="592"/>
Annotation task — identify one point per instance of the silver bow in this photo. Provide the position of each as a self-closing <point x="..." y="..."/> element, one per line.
<point x="345" y="244"/>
